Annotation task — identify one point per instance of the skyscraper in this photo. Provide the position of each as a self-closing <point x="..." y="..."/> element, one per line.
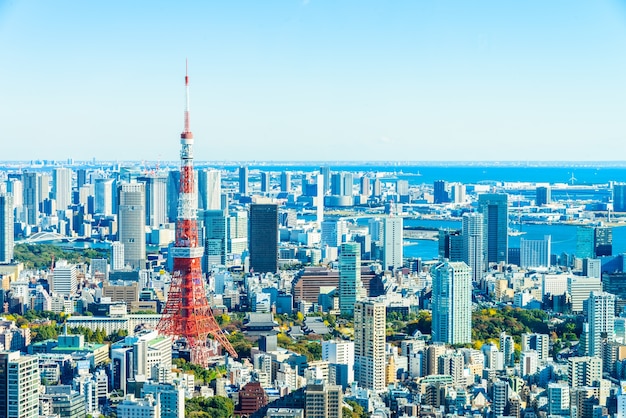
<point x="156" y="199"/>
<point x="350" y="284"/>
<point x="132" y="218"/>
<point x="603" y="241"/>
<point x="325" y="171"/>
<point x="452" y="303"/>
<point x="6" y="227"/>
<point x="209" y="189"/>
<point x="473" y="243"/>
<point x="392" y="242"/>
<point x="19" y="385"/>
<point x="535" y="252"/>
<point x="31" y="197"/>
<point x="62" y="187"/>
<point x="369" y="345"/>
<point x="263" y="237"/>
<point x="440" y="194"/>
<point x="494" y="207"/>
<point x="173" y="184"/>
<point x="585" y="237"/>
<point x="600" y="318"/>
<point x="215" y="227"/>
<point x="64" y="279"/>
<point x="285" y="181"/>
<point x="266" y="179"/>
<point x="104" y="196"/>
<point x="619" y="197"/>
<point x="543" y="196"/>
<point x="244" y="188"/>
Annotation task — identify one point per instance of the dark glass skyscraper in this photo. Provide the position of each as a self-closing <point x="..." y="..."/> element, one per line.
<point x="263" y="237"/>
<point x="495" y="210"/>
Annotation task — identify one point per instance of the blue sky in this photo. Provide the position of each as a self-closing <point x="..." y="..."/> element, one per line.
<point x="314" y="80"/>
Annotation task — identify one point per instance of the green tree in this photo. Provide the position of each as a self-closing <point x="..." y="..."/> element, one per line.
<point x="214" y="407"/>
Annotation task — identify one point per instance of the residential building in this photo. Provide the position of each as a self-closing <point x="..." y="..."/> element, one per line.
<point x="369" y="345"/>
<point x="452" y="303"/>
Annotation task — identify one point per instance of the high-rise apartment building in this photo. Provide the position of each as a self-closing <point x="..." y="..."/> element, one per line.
<point x="238" y="232"/>
<point x="333" y="231"/>
<point x="584" y="371"/>
<point x="117" y="255"/>
<point x="558" y="399"/>
<point x="473" y="243"/>
<point x="322" y="400"/>
<point x="369" y="345"/>
<point x="244" y="187"/>
<point x="156" y="199"/>
<point x="209" y="189"/>
<point x="340" y="352"/>
<point x="392" y="242"/>
<point x="19" y="385"/>
<point x="132" y="218"/>
<point x="495" y="210"/>
<point x="535" y="252"/>
<point x="364" y="186"/>
<point x="538" y="342"/>
<point x="263" y="237"/>
<point x="350" y="285"/>
<point x="452" y="303"/>
<point x="600" y="318"/>
<point x="6" y="227"/>
<point x="62" y="187"/>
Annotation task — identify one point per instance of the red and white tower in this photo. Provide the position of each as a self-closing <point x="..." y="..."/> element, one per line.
<point x="187" y="313"/>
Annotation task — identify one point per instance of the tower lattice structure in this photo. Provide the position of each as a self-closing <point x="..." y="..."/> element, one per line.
<point x="187" y="313"/>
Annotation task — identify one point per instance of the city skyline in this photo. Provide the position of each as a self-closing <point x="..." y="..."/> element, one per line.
<point x="343" y="81"/>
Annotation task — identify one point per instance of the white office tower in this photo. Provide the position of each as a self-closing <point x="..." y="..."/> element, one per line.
<point x="473" y="243"/>
<point x="584" y="371"/>
<point x="350" y="285"/>
<point x="62" y="187"/>
<point x="369" y="345"/>
<point x="117" y="255"/>
<point x="6" y="227"/>
<point x="19" y="385"/>
<point x="558" y="399"/>
<point x="452" y="303"/>
<point x="579" y="288"/>
<point x="535" y="252"/>
<point x="64" y="279"/>
<point x="538" y="342"/>
<point x="148" y="407"/>
<point x="333" y="232"/>
<point x="209" y="189"/>
<point x="132" y="219"/>
<point x="592" y="267"/>
<point x="341" y="353"/>
<point x="600" y="317"/>
<point x="171" y="398"/>
<point x="392" y="243"/>
<point x="103" y="196"/>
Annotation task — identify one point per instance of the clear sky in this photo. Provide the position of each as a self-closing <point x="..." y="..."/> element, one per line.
<point x="314" y="80"/>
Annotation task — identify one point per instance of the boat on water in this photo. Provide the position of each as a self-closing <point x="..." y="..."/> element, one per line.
<point x="514" y="233"/>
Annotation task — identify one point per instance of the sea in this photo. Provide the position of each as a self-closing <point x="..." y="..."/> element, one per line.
<point x="582" y="173"/>
<point x="563" y="237"/>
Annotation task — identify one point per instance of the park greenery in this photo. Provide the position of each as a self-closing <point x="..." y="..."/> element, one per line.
<point x="39" y="256"/>
<point x="201" y="374"/>
<point x="214" y="407"/>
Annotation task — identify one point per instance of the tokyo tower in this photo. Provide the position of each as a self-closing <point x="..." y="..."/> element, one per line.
<point x="187" y="314"/>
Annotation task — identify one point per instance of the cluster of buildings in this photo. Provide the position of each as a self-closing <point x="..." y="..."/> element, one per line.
<point x="314" y="243"/>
